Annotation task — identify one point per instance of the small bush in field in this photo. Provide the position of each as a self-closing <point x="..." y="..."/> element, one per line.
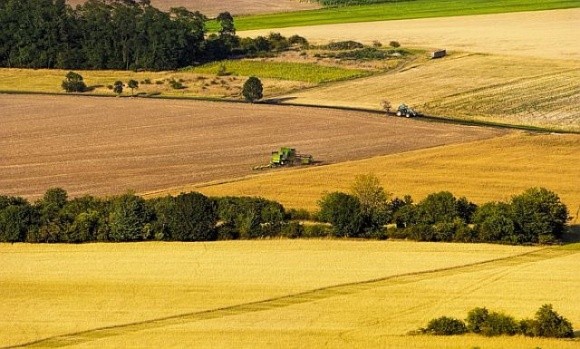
<point x="445" y="326"/>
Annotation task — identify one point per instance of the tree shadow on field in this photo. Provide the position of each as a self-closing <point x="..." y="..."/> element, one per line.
<point x="573" y="235"/>
<point x="93" y="87"/>
<point x="278" y="100"/>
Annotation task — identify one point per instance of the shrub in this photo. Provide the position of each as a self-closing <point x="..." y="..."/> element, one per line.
<point x="292" y="230"/>
<point x="298" y="41"/>
<point x="549" y="323"/>
<point x="344" y="212"/>
<point x="278" y="42"/>
<point x="252" y="89"/>
<point x="73" y="82"/>
<point x="367" y="53"/>
<point x="493" y="222"/>
<point x="536" y="212"/>
<point x="176" y="85"/>
<point x="298" y="214"/>
<point x="499" y="324"/>
<point x="445" y="326"/>
<point x="421" y="232"/>
<point x="476" y="318"/>
<point x="344" y="45"/>
<point x="394" y="44"/>
<point x="316" y="231"/>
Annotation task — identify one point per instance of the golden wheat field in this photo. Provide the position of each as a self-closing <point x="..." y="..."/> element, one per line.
<point x="483" y="171"/>
<point x="546" y="34"/>
<point x="266" y="293"/>
<point x="503" y="89"/>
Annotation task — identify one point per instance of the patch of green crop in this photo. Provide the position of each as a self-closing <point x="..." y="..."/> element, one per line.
<point x="394" y="11"/>
<point x="307" y="72"/>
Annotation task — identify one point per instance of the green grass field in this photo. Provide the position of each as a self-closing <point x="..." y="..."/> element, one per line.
<point x="395" y="11"/>
<point x="263" y="294"/>
<point x="307" y="72"/>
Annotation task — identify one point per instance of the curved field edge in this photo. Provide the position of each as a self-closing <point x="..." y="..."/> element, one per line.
<point x="395" y="11"/>
<point x="314" y="295"/>
<point x="483" y="171"/>
<point x="500" y="90"/>
<point x="106" y="146"/>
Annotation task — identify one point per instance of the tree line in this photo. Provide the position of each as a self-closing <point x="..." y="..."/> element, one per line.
<point x="535" y="216"/>
<point x="546" y="323"/>
<point x="116" y="34"/>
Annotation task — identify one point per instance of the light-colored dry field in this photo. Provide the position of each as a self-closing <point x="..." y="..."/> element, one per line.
<point x="482" y="171"/>
<point x="513" y="90"/>
<point x="214" y="7"/>
<point x="203" y="294"/>
<point x="545" y="34"/>
<point x="102" y="146"/>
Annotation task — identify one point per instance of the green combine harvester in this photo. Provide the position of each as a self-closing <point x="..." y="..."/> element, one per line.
<point x="287" y="157"/>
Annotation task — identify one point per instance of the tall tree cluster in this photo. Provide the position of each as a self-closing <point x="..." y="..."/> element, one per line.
<point x="103" y="34"/>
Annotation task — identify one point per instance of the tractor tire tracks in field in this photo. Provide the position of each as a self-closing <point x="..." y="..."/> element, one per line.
<point x="289" y="300"/>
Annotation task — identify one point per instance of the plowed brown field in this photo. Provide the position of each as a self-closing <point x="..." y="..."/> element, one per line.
<point x="213" y="7"/>
<point x="104" y="146"/>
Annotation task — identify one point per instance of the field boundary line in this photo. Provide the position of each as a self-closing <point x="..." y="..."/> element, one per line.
<point x="273" y="102"/>
<point x="288" y="300"/>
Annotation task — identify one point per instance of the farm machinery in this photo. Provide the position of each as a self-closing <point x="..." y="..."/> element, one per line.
<point x="406" y="111"/>
<point x="287" y="157"/>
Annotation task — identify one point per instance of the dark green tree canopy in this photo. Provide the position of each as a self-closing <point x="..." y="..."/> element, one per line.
<point x="73" y="82"/>
<point x="252" y="89"/>
<point x="344" y="212"/>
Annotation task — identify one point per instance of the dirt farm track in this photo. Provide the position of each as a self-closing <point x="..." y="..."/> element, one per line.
<point x="103" y="146"/>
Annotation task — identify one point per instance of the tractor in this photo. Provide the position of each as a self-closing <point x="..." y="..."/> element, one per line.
<point x="406" y="111"/>
<point x="287" y="157"/>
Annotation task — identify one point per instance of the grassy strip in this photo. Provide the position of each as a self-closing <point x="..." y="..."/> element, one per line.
<point x="307" y="72"/>
<point x="395" y="11"/>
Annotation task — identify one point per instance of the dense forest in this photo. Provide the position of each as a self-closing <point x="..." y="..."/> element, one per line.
<point x="108" y="34"/>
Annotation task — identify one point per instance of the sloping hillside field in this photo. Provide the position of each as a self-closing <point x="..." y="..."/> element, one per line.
<point x="483" y="171"/>
<point x="546" y="34"/>
<point x="502" y="89"/>
<point x="260" y="294"/>
<point x="104" y="146"/>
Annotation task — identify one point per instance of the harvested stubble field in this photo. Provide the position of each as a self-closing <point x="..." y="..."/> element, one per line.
<point x="502" y="89"/>
<point x="544" y="34"/>
<point x="483" y="171"/>
<point x="100" y="146"/>
<point x="268" y="293"/>
<point x="214" y="7"/>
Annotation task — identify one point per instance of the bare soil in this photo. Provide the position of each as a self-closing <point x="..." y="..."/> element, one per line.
<point x="214" y="7"/>
<point x="104" y="146"/>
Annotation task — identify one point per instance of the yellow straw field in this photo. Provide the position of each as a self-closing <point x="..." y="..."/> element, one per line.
<point x="265" y="293"/>
<point x="511" y="90"/>
<point x="482" y="171"/>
